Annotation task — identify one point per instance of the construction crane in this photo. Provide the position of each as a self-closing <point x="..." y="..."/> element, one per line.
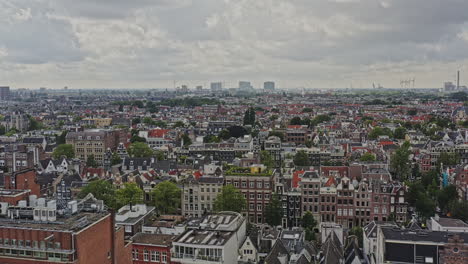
<point x="408" y="83"/>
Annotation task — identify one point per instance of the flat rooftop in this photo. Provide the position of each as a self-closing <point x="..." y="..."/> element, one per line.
<point x="73" y="223"/>
<point x="205" y="237"/>
<point x="420" y="235"/>
<point x="451" y="222"/>
<point x="153" y="239"/>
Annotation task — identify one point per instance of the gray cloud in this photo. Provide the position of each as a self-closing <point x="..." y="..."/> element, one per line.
<point x="300" y="42"/>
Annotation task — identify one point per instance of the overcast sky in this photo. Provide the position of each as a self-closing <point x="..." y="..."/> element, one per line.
<point x="297" y="43"/>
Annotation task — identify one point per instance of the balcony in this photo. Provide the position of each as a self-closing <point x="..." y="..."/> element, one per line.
<point x="191" y="258"/>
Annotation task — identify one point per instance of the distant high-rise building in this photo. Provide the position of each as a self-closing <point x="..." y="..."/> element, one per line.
<point x="199" y="88"/>
<point x="449" y="86"/>
<point x="243" y="85"/>
<point x="269" y="85"/>
<point x="4" y="92"/>
<point x="216" y="86"/>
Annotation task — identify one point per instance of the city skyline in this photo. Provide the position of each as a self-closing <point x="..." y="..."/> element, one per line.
<point x="148" y="44"/>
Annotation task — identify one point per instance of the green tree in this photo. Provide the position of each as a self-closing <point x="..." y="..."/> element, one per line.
<point x="130" y="194"/>
<point x="266" y="159"/>
<point x="400" y="163"/>
<point x="249" y="117"/>
<point x="459" y="209"/>
<point x="230" y="199"/>
<point x="276" y="134"/>
<point x="309" y="235"/>
<point x="295" y="121"/>
<point x="309" y="223"/>
<point x="179" y="124"/>
<point x="140" y="150"/>
<point x="320" y="119"/>
<point x="138" y="104"/>
<point x="448" y="159"/>
<point x="136" y="121"/>
<point x="166" y="197"/>
<point x="367" y="157"/>
<point x="425" y="206"/>
<point x="378" y="131"/>
<point x="274" y="117"/>
<point x="63" y="150"/>
<point x="186" y="139"/>
<point x="237" y="131"/>
<point x="413" y="112"/>
<point x="301" y="158"/>
<point x="273" y="211"/>
<point x="446" y="196"/>
<point x="400" y="133"/>
<point x="224" y="134"/>
<point x="91" y="162"/>
<point x="211" y="139"/>
<point x="415" y="190"/>
<point x="101" y="190"/>
<point x="62" y="138"/>
<point x="160" y="155"/>
<point x="34" y="124"/>
<point x="358" y="232"/>
<point x="2" y="130"/>
<point x="115" y="159"/>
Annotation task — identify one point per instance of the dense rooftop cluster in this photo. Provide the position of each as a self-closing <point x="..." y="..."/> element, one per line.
<point x="234" y="176"/>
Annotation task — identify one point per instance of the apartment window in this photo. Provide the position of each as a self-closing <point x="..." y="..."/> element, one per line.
<point x="244" y="184"/>
<point x="376" y="210"/>
<point x="135" y="254"/>
<point x="153" y="256"/>
<point x="252" y="184"/>
<point x="145" y="255"/>
<point x="164" y="257"/>
<point x="252" y="196"/>
<point x="259" y="196"/>
<point x="259" y="207"/>
<point x="259" y="184"/>
<point x="236" y="184"/>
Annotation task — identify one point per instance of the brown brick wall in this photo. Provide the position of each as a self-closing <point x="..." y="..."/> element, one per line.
<point x="93" y="244"/>
<point x="123" y="250"/>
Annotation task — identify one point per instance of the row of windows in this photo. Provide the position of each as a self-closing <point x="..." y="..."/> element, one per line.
<point x="27" y="243"/>
<point x="35" y="254"/>
<point x="97" y="150"/>
<point x="252" y="184"/>
<point x="153" y="256"/>
<point x="259" y="196"/>
<point x="89" y="144"/>
<point x="89" y="137"/>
